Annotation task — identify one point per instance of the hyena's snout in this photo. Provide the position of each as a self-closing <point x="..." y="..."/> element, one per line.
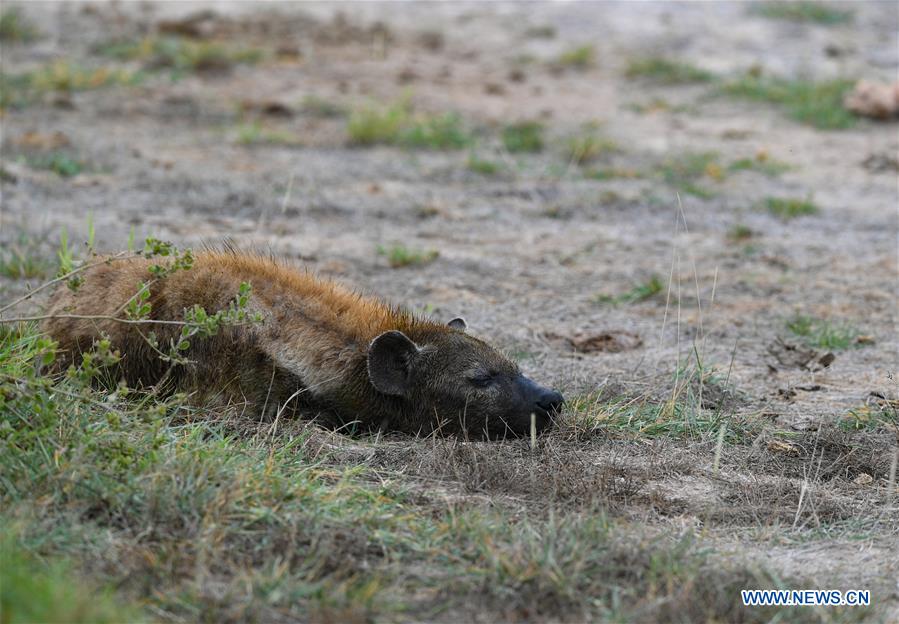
<point x="543" y="403"/>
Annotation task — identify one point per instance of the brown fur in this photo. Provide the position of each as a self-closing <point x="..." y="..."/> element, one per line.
<point x="315" y="338"/>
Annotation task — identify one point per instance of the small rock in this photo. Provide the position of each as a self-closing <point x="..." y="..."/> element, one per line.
<point x="876" y="100"/>
<point x="863" y="479"/>
<point x="780" y="446"/>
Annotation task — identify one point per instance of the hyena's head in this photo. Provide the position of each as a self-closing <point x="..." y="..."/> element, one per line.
<point x="454" y="381"/>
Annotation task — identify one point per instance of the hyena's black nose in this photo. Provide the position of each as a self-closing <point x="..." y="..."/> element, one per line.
<point x="550" y="401"/>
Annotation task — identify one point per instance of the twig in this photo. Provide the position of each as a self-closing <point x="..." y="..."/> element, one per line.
<point x="93" y="317"/>
<point x="62" y="278"/>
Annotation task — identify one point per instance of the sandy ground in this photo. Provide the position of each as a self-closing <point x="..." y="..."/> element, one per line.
<point x="524" y="254"/>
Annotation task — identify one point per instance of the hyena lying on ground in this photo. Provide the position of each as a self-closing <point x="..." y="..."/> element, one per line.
<point x="319" y="348"/>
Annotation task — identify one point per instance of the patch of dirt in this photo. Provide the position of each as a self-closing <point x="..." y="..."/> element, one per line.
<point x="794" y="355"/>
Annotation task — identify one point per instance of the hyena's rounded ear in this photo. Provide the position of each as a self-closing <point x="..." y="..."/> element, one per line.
<point x="390" y="358"/>
<point x="457" y="323"/>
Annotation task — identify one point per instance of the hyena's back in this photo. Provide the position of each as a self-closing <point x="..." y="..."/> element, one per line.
<point x="312" y="334"/>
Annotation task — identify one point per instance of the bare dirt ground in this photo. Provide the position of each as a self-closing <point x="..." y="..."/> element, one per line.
<point x="527" y="254"/>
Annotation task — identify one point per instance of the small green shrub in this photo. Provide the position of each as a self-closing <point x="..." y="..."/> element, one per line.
<point x="667" y="72"/>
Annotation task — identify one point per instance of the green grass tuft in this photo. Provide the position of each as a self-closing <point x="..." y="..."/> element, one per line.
<point x="581" y="57"/>
<point x="640" y="292"/>
<point x="761" y="163"/>
<point x="61" y="163"/>
<point x="373" y="125"/>
<point x="65" y="76"/>
<point x="871" y="417"/>
<point x="254" y="133"/>
<point x="483" y="166"/>
<point x="790" y="207"/>
<point x="438" y="132"/>
<point x="589" y="147"/>
<point x="819" y="104"/>
<point x="696" y="410"/>
<point x="823" y="334"/>
<point x="399" y="256"/>
<point x="667" y="72"/>
<point x="24" y="261"/>
<point x="613" y="173"/>
<point x="19" y="90"/>
<point x="523" y="137"/>
<point x="399" y="125"/>
<point x="740" y="233"/>
<point x="807" y="11"/>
